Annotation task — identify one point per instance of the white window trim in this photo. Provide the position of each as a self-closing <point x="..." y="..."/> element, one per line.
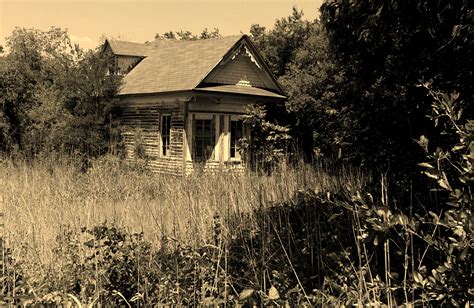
<point x="208" y="116"/>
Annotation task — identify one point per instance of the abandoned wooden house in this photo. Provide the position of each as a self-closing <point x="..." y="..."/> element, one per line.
<point x="184" y="101"/>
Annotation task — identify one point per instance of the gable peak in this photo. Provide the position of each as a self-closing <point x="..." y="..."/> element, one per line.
<point x="243" y="50"/>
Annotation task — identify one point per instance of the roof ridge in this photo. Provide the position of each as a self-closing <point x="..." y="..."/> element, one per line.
<point x="197" y="41"/>
<point x="175" y="40"/>
<point x="123" y="41"/>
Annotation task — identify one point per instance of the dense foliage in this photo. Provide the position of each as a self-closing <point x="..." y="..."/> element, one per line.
<point x="352" y="78"/>
<point x="54" y="96"/>
<point x="267" y="144"/>
<point x="364" y="83"/>
<point x="386" y="49"/>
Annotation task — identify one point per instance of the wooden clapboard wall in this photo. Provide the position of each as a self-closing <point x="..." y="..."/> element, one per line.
<point x="141" y="122"/>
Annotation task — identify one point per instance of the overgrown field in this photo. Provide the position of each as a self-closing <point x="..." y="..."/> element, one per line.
<point x="47" y="199"/>
<point x="110" y="232"/>
<point x="41" y="196"/>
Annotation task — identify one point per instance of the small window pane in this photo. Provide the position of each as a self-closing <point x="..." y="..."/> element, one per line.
<point x="165" y="134"/>
<point x="203" y="140"/>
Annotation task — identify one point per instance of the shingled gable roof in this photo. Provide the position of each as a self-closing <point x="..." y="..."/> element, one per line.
<point x="182" y="66"/>
<point x="125" y="48"/>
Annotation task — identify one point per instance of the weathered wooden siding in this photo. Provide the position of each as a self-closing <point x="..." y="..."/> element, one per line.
<point x="144" y="118"/>
<point x="141" y="115"/>
<point x="139" y="121"/>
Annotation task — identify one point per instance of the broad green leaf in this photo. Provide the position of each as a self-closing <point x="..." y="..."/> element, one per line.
<point x="444" y="183"/>
<point x="246" y="294"/>
<point x="426" y="165"/>
<point x="273" y="293"/>
<point x="418" y="278"/>
<point x="431" y="174"/>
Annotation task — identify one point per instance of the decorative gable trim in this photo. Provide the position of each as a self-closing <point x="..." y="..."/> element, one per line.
<point x="261" y="72"/>
<point x="264" y="65"/>
<point x="241" y="49"/>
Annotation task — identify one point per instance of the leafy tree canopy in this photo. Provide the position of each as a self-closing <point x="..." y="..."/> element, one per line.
<point x="188" y="35"/>
<point x="352" y="78"/>
<point x="385" y="50"/>
<point x="53" y="95"/>
<point x="298" y="54"/>
<point x="278" y="45"/>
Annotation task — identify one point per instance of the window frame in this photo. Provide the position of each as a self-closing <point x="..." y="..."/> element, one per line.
<point x="237" y="156"/>
<point x="165" y="147"/>
<point x="198" y="138"/>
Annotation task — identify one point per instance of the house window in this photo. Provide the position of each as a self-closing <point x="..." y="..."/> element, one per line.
<point x="165" y="134"/>
<point x="203" y="139"/>
<point x="236" y="133"/>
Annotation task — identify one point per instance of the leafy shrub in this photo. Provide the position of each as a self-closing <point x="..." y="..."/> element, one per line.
<point x="13" y="280"/>
<point x="387" y="237"/>
<point x="268" y="143"/>
<point x="108" y="265"/>
<point x="295" y="249"/>
<point x="139" y="149"/>
<point x="101" y="265"/>
<point x="452" y="169"/>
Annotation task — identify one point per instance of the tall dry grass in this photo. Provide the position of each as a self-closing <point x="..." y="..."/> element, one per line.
<point x="39" y="197"/>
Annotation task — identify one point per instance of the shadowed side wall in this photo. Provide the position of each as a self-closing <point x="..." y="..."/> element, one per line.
<point x="140" y="120"/>
<point x="124" y="64"/>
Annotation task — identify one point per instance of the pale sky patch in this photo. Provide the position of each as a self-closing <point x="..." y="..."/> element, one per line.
<point x="140" y="20"/>
<point x="82" y="40"/>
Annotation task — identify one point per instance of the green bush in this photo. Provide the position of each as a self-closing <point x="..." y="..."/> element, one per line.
<point x="107" y="265"/>
<point x="268" y="143"/>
